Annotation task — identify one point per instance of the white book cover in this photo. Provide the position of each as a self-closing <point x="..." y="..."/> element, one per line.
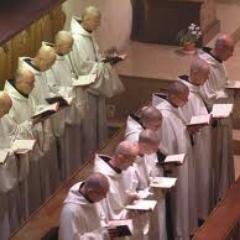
<point x="3" y="156"/>
<point x="200" y="120"/>
<point x="163" y="182"/>
<point x="84" y="80"/>
<point x="222" y="110"/>
<point x="23" y="146"/>
<point x="233" y="85"/>
<point x="46" y="110"/>
<point x="124" y="226"/>
<point x="175" y="158"/>
<point x="142" y="205"/>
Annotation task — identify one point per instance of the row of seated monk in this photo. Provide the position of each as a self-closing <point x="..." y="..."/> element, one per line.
<point x="71" y="72"/>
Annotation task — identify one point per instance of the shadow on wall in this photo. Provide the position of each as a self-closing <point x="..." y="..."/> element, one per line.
<point x="116" y="20"/>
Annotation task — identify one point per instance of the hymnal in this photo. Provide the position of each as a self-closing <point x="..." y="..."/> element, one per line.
<point x="123" y="227"/>
<point x="233" y="85"/>
<point x="63" y="102"/>
<point x="3" y="156"/>
<point x="23" y="146"/>
<point x="114" y="59"/>
<point x="175" y="159"/>
<point x="200" y="120"/>
<point x="142" y="205"/>
<point x="46" y="111"/>
<point x="163" y="182"/>
<point x="222" y="110"/>
<point x="84" y="80"/>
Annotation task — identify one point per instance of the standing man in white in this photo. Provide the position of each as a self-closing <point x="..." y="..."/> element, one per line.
<point x="214" y="91"/>
<point x="86" y="59"/>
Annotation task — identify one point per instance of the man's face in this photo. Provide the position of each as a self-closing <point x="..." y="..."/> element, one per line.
<point x="181" y="99"/>
<point x="47" y="62"/>
<point x="93" y="22"/>
<point x="27" y="84"/>
<point x="201" y="77"/>
<point x="227" y="52"/>
<point x="126" y="161"/>
<point x="5" y="108"/>
<point x="153" y="124"/>
<point x="65" y="48"/>
<point x="147" y="148"/>
<point x="98" y="194"/>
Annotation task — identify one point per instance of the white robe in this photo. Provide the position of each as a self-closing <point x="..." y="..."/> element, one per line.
<point x="80" y="219"/>
<point x="43" y="174"/>
<point x="202" y="151"/>
<point x="60" y="78"/>
<point x="176" y="140"/>
<point x="137" y="177"/>
<point x="214" y="91"/>
<point x="86" y="59"/>
<point x="116" y="199"/>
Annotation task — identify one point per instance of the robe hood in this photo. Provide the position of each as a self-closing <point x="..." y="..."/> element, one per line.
<point x="133" y="126"/>
<point x="12" y="91"/>
<point x="102" y="167"/>
<point x="206" y="55"/>
<point x="75" y="197"/>
<point x="185" y="79"/>
<point x="76" y="28"/>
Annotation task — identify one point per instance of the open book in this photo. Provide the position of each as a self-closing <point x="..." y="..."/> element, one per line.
<point x="23" y="146"/>
<point x="115" y="58"/>
<point x="163" y="182"/>
<point x="222" y="110"/>
<point x="3" y="156"/>
<point x="63" y="102"/>
<point x="142" y="205"/>
<point x="46" y="111"/>
<point x="84" y="80"/>
<point x="200" y="120"/>
<point x="175" y="159"/>
<point x="233" y="85"/>
<point x="123" y="227"/>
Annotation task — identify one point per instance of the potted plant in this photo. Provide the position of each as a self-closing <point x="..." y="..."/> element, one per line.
<point x="188" y="37"/>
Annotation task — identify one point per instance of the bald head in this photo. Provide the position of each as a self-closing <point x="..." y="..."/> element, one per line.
<point x="151" y="117"/>
<point x="178" y="93"/>
<point x="5" y="103"/>
<point x="224" y="47"/>
<point x="63" y="42"/>
<point x="45" y="58"/>
<point x="124" y="155"/>
<point x="95" y="187"/>
<point x="91" y="18"/>
<point x="24" y="80"/>
<point x="96" y="181"/>
<point x="199" y="71"/>
<point x="148" y="142"/>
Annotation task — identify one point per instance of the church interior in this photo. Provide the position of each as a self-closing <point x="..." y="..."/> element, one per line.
<point x="133" y="68"/>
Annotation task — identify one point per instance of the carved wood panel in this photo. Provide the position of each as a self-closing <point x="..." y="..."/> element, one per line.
<point x="27" y="42"/>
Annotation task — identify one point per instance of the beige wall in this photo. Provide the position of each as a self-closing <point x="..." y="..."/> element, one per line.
<point x="116" y="20"/>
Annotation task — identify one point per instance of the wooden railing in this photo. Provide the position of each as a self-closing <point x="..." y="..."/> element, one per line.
<point x="223" y="222"/>
<point x="27" y="42"/>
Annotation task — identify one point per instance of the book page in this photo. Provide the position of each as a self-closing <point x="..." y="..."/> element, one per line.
<point x="3" y="156"/>
<point x="84" y="80"/>
<point x="175" y="158"/>
<point x="142" y="205"/>
<point x="233" y="85"/>
<point x="45" y="109"/>
<point x="222" y="110"/>
<point x="200" y="120"/>
<point x="163" y="182"/>
<point x="22" y="146"/>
